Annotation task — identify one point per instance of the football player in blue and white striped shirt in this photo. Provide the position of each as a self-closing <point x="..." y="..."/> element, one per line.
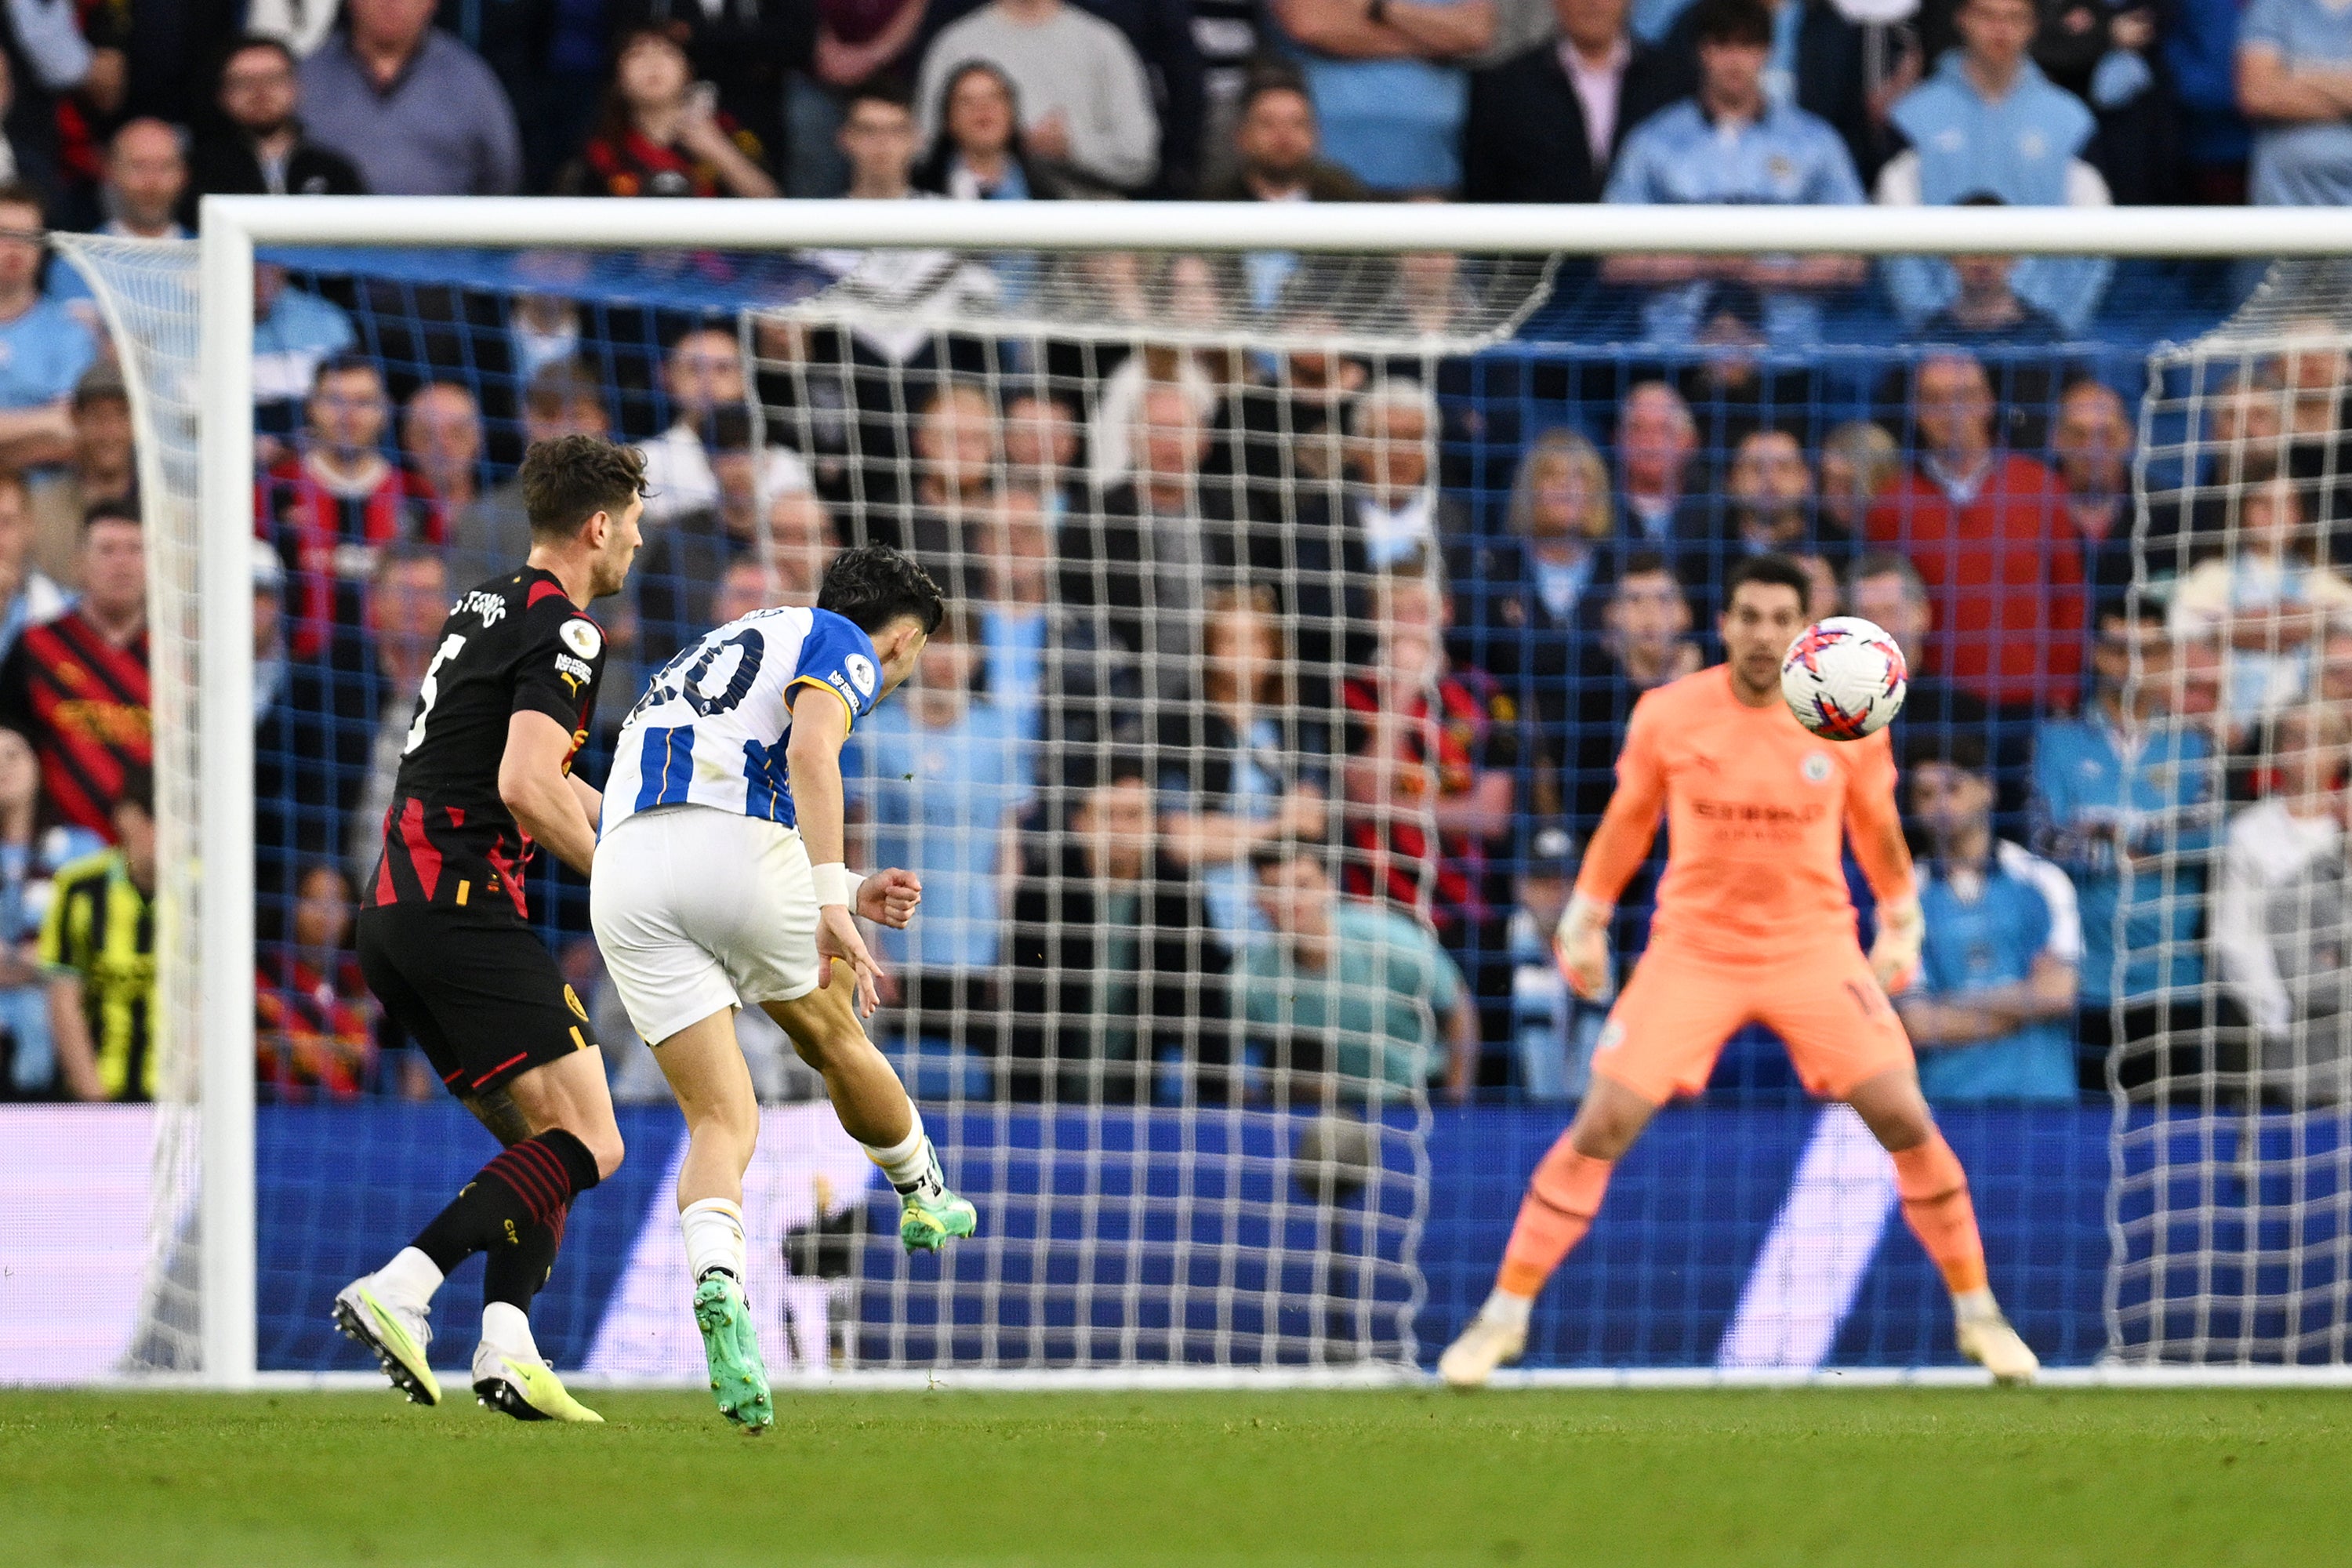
<point x="719" y="882"/>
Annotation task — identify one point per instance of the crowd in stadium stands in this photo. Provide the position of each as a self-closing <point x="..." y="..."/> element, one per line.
<point x="1256" y="742"/>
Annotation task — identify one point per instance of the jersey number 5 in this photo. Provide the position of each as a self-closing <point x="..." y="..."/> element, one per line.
<point x="430" y="691"/>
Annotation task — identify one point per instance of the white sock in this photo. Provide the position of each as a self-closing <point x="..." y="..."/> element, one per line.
<point x="506" y="1330"/>
<point x="1505" y="1308"/>
<point x="409" y="1279"/>
<point x="909" y="1164"/>
<point x="714" y="1237"/>
<point x="1975" y="1306"/>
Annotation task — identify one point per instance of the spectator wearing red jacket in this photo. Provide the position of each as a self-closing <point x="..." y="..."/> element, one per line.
<point x="1987" y="531"/>
<point x="337" y="501"/>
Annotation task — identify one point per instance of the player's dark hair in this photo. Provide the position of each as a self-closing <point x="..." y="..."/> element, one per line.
<point x="138" y="788"/>
<point x="1733" y="22"/>
<point x="1952" y="748"/>
<point x="1645" y="563"/>
<point x="874" y="584"/>
<point x="1778" y="570"/>
<point x="569" y="479"/>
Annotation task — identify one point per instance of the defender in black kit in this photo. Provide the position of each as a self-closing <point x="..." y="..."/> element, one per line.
<point x="485" y="781"/>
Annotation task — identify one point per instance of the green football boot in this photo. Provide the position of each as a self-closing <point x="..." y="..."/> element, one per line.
<point x="930" y="1215"/>
<point x="732" y="1347"/>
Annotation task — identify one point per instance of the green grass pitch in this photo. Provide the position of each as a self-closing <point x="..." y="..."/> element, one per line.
<point x="1882" y="1478"/>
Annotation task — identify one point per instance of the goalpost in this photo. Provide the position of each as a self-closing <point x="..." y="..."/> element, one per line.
<point x="197" y="456"/>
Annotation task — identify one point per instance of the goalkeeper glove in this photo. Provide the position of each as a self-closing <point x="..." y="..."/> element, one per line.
<point x="1580" y="947"/>
<point x="1895" y="956"/>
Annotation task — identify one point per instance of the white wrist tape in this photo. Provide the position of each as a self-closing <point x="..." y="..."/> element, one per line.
<point x="833" y="885"/>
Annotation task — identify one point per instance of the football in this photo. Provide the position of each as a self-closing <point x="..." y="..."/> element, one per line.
<point x="1844" y="678"/>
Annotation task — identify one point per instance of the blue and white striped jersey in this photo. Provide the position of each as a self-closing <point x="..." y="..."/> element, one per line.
<point x="711" y="727"/>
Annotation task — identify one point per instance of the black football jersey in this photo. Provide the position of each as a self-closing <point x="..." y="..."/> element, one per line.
<point x="515" y="644"/>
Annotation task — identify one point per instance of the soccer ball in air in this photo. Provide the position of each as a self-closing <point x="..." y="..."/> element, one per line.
<point x="1844" y="678"/>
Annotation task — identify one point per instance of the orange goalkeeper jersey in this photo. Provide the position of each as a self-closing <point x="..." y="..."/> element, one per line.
<point x="1755" y="809"/>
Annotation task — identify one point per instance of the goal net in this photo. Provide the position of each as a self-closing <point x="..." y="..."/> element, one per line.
<point x="1299" y="602"/>
<point x="1180" y="986"/>
<point x="2232" y="1198"/>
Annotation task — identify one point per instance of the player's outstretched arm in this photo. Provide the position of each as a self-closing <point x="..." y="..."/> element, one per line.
<point x="535" y="787"/>
<point x="812" y="759"/>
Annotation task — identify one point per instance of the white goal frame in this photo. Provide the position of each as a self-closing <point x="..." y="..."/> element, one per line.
<point x="231" y="227"/>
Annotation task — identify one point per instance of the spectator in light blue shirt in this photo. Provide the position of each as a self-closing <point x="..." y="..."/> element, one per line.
<point x="44" y="348"/>
<point x="1992" y="1012"/>
<point x="2125" y="801"/>
<point x="941" y="775"/>
<point x="1016" y="546"/>
<point x="2294" y="83"/>
<point x="1733" y="143"/>
<point x="293" y="335"/>
<point x="1389" y="83"/>
<point x="1988" y="122"/>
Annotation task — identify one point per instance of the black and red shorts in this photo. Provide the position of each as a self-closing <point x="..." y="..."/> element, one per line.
<point x="479" y="992"/>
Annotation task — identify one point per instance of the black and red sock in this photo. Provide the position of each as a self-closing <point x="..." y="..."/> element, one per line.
<point x="515" y="1274"/>
<point x="526" y="1189"/>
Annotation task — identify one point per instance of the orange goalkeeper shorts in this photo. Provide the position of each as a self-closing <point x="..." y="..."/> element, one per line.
<point x="1676" y="1012"/>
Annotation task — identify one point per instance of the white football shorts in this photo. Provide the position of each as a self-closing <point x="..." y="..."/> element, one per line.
<point x="699" y="910"/>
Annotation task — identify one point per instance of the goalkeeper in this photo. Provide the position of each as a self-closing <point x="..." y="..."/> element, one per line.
<point x="1753" y="925"/>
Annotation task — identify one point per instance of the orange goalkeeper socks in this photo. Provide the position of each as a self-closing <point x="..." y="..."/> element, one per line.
<point x="1562" y="1197"/>
<point x="1935" y="1192"/>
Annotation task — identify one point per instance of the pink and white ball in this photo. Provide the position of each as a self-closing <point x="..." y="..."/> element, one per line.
<point x="1844" y="678"/>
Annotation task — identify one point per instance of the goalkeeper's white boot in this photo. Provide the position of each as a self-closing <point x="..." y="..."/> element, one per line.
<point x="395" y="1332"/>
<point x="1993" y="1345"/>
<point x="1491" y="1341"/>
